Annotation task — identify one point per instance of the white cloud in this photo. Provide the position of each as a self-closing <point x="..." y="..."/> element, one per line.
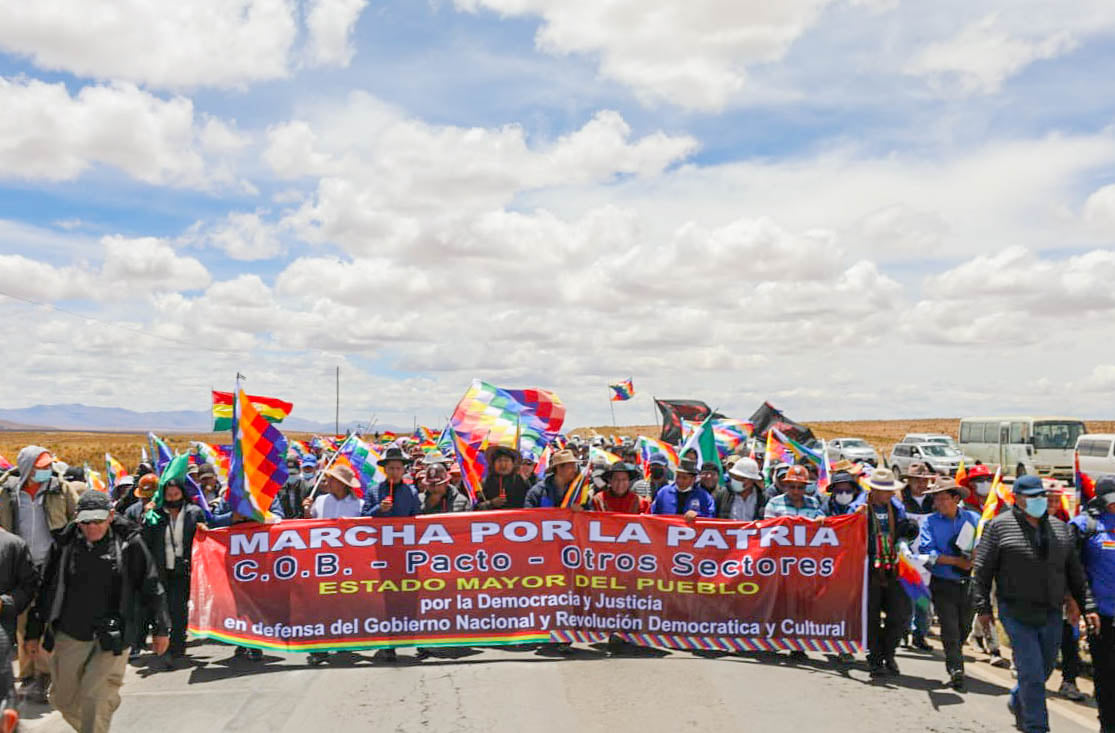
<point x="385" y="180"/>
<point x="219" y="43"/>
<point x="330" y="23"/>
<point x="982" y="56"/>
<point x="694" y="54"/>
<point x="245" y="236"/>
<point x="1099" y="210"/>
<point x="128" y="268"/>
<point x="47" y="133"/>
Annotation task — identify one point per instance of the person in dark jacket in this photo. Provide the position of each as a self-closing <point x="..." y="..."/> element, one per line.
<point x="887" y="525"/>
<point x="918" y="503"/>
<point x="168" y="532"/>
<point x="19" y="581"/>
<point x="392" y="497"/>
<point x="503" y="487"/>
<point x="1032" y="559"/>
<point x="743" y="499"/>
<point x="439" y="496"/>
<point x="658" y="475"/>
<point x="683" y="496"/>
<point x="84" y="611"/>
<point x="550" y="491"/>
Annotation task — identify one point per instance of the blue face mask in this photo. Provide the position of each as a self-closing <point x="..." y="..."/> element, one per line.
<point x="1036" y="506"/>
<point x="42" y="475"/>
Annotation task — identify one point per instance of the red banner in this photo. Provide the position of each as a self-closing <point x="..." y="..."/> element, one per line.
<point x="482" y="578"/>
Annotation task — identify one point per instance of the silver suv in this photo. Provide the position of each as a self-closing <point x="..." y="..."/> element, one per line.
<point x="940" y="458"/>
<point x="857" y="450"/>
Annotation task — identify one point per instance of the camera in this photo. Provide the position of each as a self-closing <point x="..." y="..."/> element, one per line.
<point x="110" y="634"/>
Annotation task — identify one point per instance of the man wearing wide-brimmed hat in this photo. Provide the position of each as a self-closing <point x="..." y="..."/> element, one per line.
<point x="658" y="475"/>
<point x="947" y="537"/>
<point x="392" y="497"/>
<point x="503" y="487"/>
<point x="336" y="496"/>
<point x="887" y="525"/>
<point x="618" y="496"/>
<point x="683" y="496"/>
<point x="550" y="491"/>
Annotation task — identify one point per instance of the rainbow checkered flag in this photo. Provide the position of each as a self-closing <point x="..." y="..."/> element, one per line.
<point x="258" y="467"/>
<point x="528" y="419"/>
<point x="623" y="391"/>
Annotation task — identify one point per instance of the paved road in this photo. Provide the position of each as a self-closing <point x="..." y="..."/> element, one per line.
<point x="511" y="690"/>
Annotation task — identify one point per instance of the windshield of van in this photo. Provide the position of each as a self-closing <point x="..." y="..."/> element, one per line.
<point x="853" y="443"/>
<point x="1057" y="435"/>
<point x="936" y="450"/>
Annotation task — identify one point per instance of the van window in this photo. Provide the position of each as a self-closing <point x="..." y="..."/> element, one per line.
<point x="965" y="432"/>
<point x="991" y="433"/>
<point x="1057" y="435"/>
<point x="1016" y="432"/>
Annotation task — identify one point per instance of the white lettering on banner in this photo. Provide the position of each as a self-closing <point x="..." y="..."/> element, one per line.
<point x="527" y="531"/>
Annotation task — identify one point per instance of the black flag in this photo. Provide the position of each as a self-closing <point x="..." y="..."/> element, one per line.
<point x="768" y="416"/>
<point x="674" y="411"/>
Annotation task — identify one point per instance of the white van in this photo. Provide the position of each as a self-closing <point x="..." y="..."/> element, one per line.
<point x="1096" y="453"/>
<point x="1041" y="445"/>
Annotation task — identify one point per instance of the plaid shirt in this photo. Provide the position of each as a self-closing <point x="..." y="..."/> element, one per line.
<point x="780" y="506"/>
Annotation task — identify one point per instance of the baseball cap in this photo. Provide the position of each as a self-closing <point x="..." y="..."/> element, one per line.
<point x="93" y="506"/>
<point x="1029" y="485"/>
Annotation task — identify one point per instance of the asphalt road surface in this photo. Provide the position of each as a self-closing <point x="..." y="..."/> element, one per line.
<point x="520" y="690"/>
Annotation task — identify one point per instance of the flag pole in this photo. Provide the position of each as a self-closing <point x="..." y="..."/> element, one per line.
<point x="321" y="474"/>
<point x="337" y="414"/>
<point x="612" y="407"/>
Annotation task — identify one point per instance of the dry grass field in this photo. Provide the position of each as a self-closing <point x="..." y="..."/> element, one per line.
<point x="76" y="448"/>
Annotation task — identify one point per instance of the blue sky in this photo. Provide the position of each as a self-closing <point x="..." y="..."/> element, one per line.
<point x="833" y="204"/>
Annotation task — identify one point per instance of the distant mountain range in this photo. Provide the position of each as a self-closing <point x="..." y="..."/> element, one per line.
<point x="85" y="417"/>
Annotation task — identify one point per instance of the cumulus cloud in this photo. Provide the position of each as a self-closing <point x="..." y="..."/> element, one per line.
<point x="45" y="133"/>
<point x="244" y="236"/>
<point x="695" y="54"/>
<point x="330" y="24"/>
<point x="982" y="56"/>
<point x="386" y="180"/>
<point x="220" y="43"/>
<point x="129" y="268"/>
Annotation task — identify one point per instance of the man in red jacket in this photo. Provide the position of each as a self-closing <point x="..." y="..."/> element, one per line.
<point x="619" y="497"/>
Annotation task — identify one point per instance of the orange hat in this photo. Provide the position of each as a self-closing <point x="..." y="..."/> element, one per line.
<point x="796" y="475"/>
<point x="145" y="489"/>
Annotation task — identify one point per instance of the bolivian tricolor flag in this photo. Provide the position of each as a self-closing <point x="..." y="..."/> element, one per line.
<point x="257" y="469"/>
<point x="271" y="409"/>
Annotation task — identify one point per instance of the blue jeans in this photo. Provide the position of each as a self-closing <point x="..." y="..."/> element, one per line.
<point x="919" y="622"/>
<point x="1035" y="651"/>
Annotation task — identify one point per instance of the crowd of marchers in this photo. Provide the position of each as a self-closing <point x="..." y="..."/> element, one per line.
<point x="89" y="581"/>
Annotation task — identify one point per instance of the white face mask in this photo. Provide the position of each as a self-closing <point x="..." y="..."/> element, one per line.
<point x="983" y="488"/>
<point x="737" y="486"/>
<point x="843" y="498"/>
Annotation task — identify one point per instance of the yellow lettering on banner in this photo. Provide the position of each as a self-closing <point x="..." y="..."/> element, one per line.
<point x="468" y="583"/>
<point x="552" y="580"/>
<point x="326" y="588"/>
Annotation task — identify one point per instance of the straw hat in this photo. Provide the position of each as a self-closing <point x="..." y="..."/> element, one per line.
<point x="883" y="479"/>
<point x="344" y="474"/>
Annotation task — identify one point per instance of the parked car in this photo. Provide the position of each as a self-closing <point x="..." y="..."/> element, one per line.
<point x="854" y="449"/>
<point x="940" y="458"/>
<point x="939" y="438"/>
<point x="1096" y="453"/>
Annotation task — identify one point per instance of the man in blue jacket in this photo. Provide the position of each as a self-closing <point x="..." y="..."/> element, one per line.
<point x="392" y="497"/>
<point x="944" y="539"/>
<point x="683" y="496"/>
<point x="550" y="491"/>
<point x="1095" y="536"/>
